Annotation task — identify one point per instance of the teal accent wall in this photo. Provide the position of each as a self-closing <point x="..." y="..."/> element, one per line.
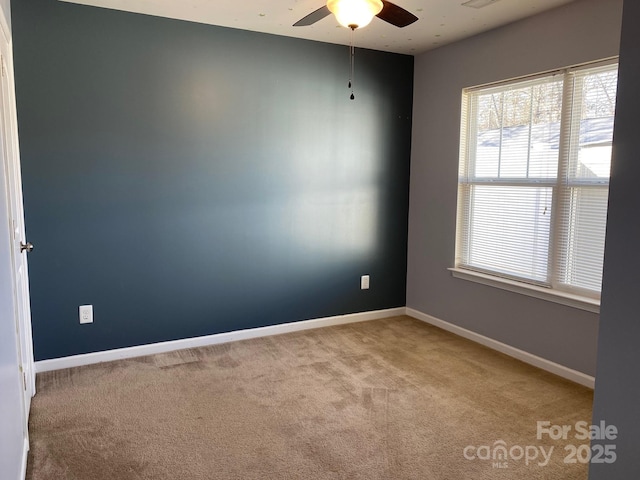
<point x="187" y="179"/>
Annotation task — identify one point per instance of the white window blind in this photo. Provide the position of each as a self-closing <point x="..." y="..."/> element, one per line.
<point x="534" y="175"/>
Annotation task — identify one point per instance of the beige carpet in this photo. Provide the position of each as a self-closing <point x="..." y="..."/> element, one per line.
<point x="388" y="399"/>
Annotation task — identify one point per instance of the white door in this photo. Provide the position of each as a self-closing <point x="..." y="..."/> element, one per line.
<point x="13" y="434"/>
<point x="11" y="164"/>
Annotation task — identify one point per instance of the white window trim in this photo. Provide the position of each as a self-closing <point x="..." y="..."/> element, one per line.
<point x="548" y="294"/>
<point x="551" y="294"/>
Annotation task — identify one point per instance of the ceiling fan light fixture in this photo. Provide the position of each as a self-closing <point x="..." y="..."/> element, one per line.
<point x="354" y="13"/>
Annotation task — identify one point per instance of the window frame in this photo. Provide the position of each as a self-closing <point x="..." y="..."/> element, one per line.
<point x="551" y="290"/>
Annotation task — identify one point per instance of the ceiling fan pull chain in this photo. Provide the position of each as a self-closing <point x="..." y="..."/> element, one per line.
<point x="352" y="55"/>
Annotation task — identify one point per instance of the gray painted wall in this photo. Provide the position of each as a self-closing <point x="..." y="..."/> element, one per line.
<point x="618" y="386"/>
<point x="188" y="180"/>
<point x="579" y="32"/>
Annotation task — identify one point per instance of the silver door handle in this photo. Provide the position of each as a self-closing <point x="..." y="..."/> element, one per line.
<point x="26" y="246"/>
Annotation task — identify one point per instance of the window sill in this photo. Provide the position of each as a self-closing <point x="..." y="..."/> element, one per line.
<point x="564" y="298"/>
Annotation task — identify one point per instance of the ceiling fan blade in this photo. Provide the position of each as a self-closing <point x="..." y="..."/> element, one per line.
<point x="396" y="15"/>
<point x="313" y="17"/>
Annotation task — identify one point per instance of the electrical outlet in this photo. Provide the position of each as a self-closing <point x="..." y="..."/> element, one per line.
<point x="364" y="282"/>
<point x="86" y="313"/>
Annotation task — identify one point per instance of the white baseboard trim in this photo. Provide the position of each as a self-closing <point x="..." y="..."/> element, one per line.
<point x="25" y="455"/>
<point x="542" y="363"/>
<point x="163" y="347"/>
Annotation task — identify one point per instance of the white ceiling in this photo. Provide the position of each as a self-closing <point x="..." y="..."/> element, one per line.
<point x="441" y="21"/>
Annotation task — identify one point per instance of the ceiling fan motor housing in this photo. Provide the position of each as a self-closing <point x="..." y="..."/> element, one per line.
<point x="354" y="13"/>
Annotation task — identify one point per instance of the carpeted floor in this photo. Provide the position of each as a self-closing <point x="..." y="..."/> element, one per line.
<point x="387" y="399"/>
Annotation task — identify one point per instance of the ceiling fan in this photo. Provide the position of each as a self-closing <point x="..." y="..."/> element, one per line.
<point x="355" y="14"/>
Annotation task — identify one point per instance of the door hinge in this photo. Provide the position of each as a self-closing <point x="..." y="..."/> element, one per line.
<point x="24" y="378"/>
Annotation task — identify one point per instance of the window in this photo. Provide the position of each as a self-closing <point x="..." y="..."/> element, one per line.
<point x="534" y="179"/>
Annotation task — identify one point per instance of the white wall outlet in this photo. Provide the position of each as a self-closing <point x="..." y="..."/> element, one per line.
<point x="86" y="313"/>
<point x="364" y="282"/>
